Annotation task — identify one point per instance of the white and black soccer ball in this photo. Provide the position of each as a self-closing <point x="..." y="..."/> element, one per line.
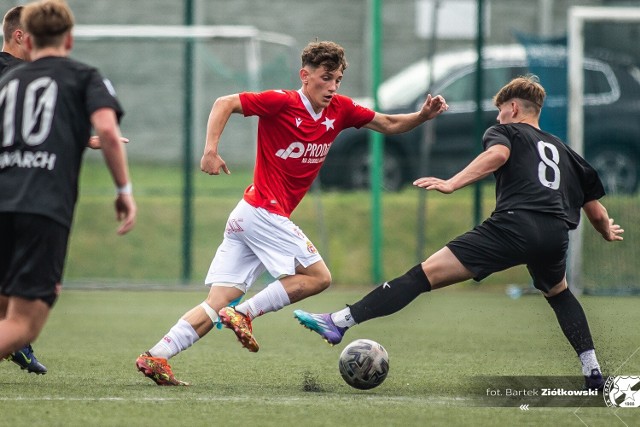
<point x="364" y="364"/>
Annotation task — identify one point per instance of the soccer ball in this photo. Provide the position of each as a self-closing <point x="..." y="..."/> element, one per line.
<point x="364" y="364"/>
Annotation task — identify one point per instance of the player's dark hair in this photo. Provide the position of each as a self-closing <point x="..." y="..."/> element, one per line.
<point x="526" y="88"/>
<point x="47" y="21"/>
<point x="11" y="22"/>
<point x="325" y="54"/>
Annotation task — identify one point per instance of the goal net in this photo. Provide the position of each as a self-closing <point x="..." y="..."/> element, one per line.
<point x="609" y="98"/>
<point x="159" y="71"/>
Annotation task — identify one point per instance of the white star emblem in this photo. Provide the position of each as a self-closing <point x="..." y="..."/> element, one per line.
<point x="328" y="123"/>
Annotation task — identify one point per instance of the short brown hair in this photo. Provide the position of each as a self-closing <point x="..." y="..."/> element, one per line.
<point x="526" y="88"/>
<point x="47" y="21"/>
<point x="11" y="22"/>
<point x="325" y="54"/>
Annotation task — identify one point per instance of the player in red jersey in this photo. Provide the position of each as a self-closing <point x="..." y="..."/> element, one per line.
<point x="295" y="131"/>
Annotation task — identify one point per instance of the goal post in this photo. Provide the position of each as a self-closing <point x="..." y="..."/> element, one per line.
<point x="578" y="17"/>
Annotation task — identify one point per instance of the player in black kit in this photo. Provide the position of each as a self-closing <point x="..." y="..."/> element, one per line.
<point x="541" y="185"/>
<point x="14" y="53"/>
<point x="48" y="108"/>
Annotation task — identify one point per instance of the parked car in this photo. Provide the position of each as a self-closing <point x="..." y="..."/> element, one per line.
<point x="611" y="117"/>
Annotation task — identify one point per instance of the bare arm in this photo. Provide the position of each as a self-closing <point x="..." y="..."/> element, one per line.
<point x="222" y="109"/>
<point x="599" y="218"/>
<point x="483" y="165"/>
<point x="397" y="123"/>
<point x="106" y="126"/>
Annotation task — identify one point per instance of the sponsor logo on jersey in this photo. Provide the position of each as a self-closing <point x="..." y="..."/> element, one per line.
<point x="311" y="153"/>
<point x="27" y="159"/>
<point x="294" y="151"/>
<point x="298" y="122"/>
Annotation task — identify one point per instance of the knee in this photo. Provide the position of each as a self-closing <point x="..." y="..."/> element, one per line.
<point x="321" y="281"/>
<point x="560" y="287"/>
<point x="325" y="281"/>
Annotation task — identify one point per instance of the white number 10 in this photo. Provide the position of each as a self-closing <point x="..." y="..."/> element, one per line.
<point x="37" y="113"/>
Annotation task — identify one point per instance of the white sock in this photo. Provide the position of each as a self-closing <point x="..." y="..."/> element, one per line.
<point x="589" y="362"/>
<point x="271" y="298"/>
<point x="180" y="337"/>
<point x="343" y="318"/>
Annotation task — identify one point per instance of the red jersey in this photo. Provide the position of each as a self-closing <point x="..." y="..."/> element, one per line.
<point x="293" y="142"/>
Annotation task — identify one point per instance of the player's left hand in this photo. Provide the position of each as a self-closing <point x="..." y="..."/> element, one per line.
<point x="94" y="142"/>
<point x="433" y="106"/>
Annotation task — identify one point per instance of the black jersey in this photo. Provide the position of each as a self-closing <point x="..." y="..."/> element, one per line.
<point x="542" y="173"/>
<point x="8" y="61"/>
<point x="45" y="107"/>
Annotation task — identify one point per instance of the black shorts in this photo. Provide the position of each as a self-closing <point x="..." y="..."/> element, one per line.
<point x="507" y="239"/>
<point x="33" y="249"/>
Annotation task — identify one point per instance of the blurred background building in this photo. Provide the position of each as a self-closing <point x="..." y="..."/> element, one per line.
<point x="148" y="76"/>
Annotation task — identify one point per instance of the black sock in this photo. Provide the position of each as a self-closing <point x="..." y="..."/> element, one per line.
<point x="391" y="296"/>
<point x="573" y="321"/>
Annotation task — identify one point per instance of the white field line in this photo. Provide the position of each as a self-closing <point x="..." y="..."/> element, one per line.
<point x="434" y="400"/>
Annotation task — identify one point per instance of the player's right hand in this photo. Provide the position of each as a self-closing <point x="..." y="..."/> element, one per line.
<point x="212" y="163"/>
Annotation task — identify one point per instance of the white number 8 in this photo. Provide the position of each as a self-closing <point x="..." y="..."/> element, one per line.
<point x="547" y="163"/>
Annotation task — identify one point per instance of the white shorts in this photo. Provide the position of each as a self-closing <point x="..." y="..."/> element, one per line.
<point x="255" y="241"/>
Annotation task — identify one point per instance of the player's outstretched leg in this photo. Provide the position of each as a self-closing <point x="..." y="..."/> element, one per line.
<point x="322" y="324"/>
<point x="240" y="323"/>
<point x="158" y="370"/>
<point x="27" y="360"/>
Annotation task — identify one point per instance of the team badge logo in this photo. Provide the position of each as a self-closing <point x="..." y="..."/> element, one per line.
<point x="622" y="391"/>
